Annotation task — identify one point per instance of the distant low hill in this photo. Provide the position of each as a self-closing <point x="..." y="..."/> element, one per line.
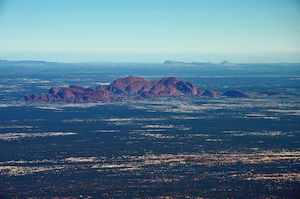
<point x="177" y="63"/>
<point x="186" y="63"/>
<point x="226" y="63"/>
<point x="26" y="63"/>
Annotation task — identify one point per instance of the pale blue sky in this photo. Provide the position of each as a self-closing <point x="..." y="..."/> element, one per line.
<point x="150" y="31"/>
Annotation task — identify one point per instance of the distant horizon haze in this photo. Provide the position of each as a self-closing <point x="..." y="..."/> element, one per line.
<point x="82" y="57"/>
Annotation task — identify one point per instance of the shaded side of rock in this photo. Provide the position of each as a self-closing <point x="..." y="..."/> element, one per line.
<point x="200" y="92"/>
<point x="71" y="94"/>
<point x="169" y="91"/>
<point x="209" y="93"/>
<point x="53" y="91"/>
<point x="149" y="94"/>
<point x="121" y="92"/>
<point x="158" y="88"/>
<point x="169" y="81"/>
<point x="148" y="86"/>
<point x="186" y="87"/>
<point x="236" y="94"/>
<point x="135" y="86"/>
<point x="34" y="97"/>
<point x="27" y="98"/>
<point x="122" y="83"/>
<point x="66" y="93"/>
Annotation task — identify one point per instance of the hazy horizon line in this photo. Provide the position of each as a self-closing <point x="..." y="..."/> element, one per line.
<point x="151" y="57"/>
<point x="140" y="62"/>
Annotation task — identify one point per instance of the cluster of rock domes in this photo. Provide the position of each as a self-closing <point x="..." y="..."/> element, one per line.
<point x="130" y="85"/>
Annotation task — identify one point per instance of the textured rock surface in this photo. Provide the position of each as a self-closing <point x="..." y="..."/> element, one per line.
<point x="122" y="83"/>
<point x="148" y="86"/>
<point x="149" y="94"/>
<point x="129" y="85"/>
<point x="209" y="93"/>
<point x="236" y="94"/>
<point x="71" y="94"/>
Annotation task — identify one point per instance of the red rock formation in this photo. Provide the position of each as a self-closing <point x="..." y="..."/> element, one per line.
<point x="236" y="94"/>
<point x="122" y="83"/>
<point x="135" y="86"/>
<point x="194" y="90"/>
<point x="27" y="98"/>
<point x="148" y="86"/>
<point x="200" y="92"/>
<point x="186" y="87"/>
<point x="209" y="93"/>
<point x="53" y="91"/>
<point x="149" y="94"/>
<point x="100" y="87"/>
<point x="158" y="88"/>
<point x="71" y="94"/>
<point x="169" y="81"/>
<point x="169" y="91"/>
<point x="129" y="85"/>
<point x="67" y="93"/>
<point x="34" y="97"/>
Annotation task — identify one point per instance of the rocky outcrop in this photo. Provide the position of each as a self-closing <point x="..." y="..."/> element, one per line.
<point x="186" y="87"/>
<point x="71" y="94"/>
<point x="148" y="86"/>
<point x="127" y="85"/>
<point x="149" y="94"/>
<point x="137" y="86"/>
<point x="209" y="93"/>
<point x="236" y="94"/>
<point x="53" y="91"/>
<point x="200" y="92"/>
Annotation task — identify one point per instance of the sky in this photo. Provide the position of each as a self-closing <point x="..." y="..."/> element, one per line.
<point x="239" y="31"/>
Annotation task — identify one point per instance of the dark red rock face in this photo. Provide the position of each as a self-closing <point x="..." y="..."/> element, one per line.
<point x="186" y="87"/>
<point x="122" y="83"/>
<point x="135" y="86"/>
<point x="169" y="91"/>
<point x="100" y="87"/>
<point x="158" y="88"/>
<point x="66" y="93"/>
<point x="200" y="92"/>
<point x="169" y="81"/>
<point x="236" y="94"/>
<point x="130" y="85"/>
<point x="149" y="94"/>
<point x="209" y="93"/>
<point x="148" y="86"/>
<point x="71" y="94"/>
<point x="53" y="91"/>
<point x="164" y="87"/>
<point x="27" y="98"/>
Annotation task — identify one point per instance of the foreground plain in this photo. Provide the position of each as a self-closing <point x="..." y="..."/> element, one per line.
<point x="174" y="146"/>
